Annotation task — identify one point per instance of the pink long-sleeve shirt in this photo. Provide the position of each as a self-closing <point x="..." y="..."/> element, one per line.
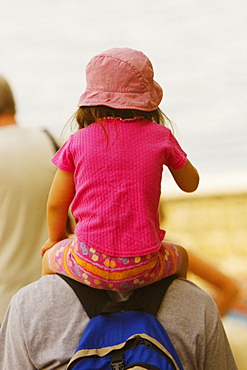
<point x="117" y="174"/>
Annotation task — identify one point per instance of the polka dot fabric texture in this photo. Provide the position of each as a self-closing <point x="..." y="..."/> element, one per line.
<point x="73" y="258"/>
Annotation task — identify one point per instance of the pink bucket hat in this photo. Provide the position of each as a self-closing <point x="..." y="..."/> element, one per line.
<point x="121" y="78"/>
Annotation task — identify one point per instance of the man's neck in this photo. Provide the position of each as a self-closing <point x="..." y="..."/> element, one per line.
<point x="7" y="120"/>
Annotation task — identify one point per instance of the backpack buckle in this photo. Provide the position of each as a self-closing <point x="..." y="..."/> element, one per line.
<point x="117" y="365"/>
<point x="117" y="362"/>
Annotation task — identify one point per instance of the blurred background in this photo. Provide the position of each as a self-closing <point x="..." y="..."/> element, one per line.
<point x="199" y="54"/>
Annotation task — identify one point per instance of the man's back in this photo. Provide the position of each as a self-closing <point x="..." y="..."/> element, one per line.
<point x="53" y="321"/>
<point x="26" y="175"/>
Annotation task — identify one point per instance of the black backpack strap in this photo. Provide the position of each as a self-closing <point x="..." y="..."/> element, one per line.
<point x="151" y="296"/>
<point x="147" y="298"/>
<point x="93" y="300"/>
<point x="55" y="144"/>
<point x="97" y="301"/>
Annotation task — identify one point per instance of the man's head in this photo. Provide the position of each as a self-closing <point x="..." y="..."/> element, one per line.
<point x="7" y="103"/>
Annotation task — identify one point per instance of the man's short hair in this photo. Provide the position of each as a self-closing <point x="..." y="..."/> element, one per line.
<point x="7" y="102"/>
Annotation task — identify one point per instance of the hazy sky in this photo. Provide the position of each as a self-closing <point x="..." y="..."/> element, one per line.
<point x="198" y="50"/>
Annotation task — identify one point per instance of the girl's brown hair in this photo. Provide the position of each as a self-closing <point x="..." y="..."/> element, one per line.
<point x="86" y="115"/>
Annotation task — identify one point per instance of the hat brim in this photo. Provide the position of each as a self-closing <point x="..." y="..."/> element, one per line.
<point x="145" y="101"/>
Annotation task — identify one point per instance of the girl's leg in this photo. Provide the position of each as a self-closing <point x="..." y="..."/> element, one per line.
<point x="173" y="259"/>
<point x="52" y="261"/>
<point x="45" y="265"/>
<point x="182" y="271"/>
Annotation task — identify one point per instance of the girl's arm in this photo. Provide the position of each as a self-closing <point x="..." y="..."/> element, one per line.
<point x="187" y="178"/>
<point x="60" y="197"/>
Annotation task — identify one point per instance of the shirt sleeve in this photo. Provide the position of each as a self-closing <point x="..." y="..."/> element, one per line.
<point x="218" y="353"/>
<point x="13" y="349"/>
<point x="175" y="157"/>
<point x="63" y="159"/>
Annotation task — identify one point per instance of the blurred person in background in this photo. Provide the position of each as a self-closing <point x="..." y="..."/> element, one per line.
<point x="228" y="293"/>
<point x="26" y="174"/>
<point x="223" y="289"/>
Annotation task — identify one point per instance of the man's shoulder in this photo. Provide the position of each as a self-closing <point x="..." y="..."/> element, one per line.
<point x="53" y="284"/>
<point x="48" y="294"/>
<point x="47" y="286"/>
<point x="184" y="289"/>
<point x="189" y="286"/>
<point x="56" y="289"/>
<point x="189" y="299"/>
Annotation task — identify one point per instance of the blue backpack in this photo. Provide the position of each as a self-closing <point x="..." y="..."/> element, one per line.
<point x="123" y="335"/>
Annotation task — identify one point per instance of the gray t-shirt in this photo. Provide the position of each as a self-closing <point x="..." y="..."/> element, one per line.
<point x="45" y="320"/>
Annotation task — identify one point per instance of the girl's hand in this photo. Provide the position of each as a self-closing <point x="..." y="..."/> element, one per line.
<point x="48" y="244"/>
